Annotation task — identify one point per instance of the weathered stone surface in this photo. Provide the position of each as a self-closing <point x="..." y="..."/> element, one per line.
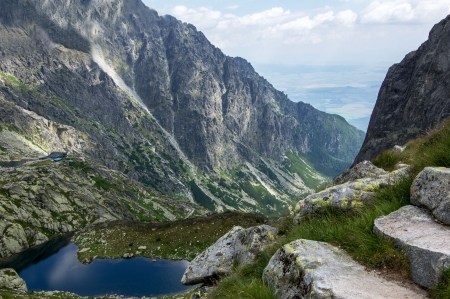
<point x="431" y="189"/>
<point x="364" y="169"/>
<point x="215" y="261"/>
<point x="239" y="244"/>
<point x="426" y="242"/>
<point x="413" y="98"/>
<point x="251" y="241"/>
<point x="310" y="269"/>
<point x="346" y="196"/>
<point x="11" y="280"/>
<point x="13" y="238"/>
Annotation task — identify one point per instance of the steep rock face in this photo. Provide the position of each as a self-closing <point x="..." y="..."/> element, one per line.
<point x="414" y="96"/>
<point x="98" y="66"/>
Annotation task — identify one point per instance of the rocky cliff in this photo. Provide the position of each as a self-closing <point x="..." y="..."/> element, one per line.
<point x="414" y="96"/>
<point x="165" y="106"/>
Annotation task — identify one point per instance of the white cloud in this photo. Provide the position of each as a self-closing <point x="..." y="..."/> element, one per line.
<point x="403" y="11"/>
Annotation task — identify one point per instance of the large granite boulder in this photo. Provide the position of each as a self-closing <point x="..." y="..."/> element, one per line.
<point x="348" y="195"/>
<point x="425" y="242"/>
<point x="431" y="189"/>
<point x="362" y="170"/>
<point x="238" y="244"/>
<point x="11" y="280"/>
<point x="311" y="269"/>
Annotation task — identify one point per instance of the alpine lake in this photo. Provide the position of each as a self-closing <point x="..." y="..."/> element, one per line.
<point x="54" y="266"/>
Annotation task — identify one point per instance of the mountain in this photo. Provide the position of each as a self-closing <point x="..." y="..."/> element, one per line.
<point x="414" y="98"/>
<point x="154" y="99"/>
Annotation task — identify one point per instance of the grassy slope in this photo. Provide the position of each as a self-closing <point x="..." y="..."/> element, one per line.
<point x="353" y="231"/>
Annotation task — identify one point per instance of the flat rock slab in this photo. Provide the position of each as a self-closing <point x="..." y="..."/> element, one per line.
<point x="431" y="189"/>
<point x="426" y="242"/>
<point x="311" y="269"/>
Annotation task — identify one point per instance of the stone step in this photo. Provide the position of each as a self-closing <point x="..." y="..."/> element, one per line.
<point x="311" y="269"/>
<point x="426" y="242"/>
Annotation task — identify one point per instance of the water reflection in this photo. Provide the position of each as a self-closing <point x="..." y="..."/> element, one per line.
<point x="135" y="277"/>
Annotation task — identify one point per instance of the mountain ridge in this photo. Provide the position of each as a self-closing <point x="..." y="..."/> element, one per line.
<point x="211" y="116"/>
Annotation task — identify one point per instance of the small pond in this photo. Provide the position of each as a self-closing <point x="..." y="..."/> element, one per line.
<point x="55" y="267"/>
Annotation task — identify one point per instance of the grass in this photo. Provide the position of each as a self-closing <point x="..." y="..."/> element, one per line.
<point x="388" y="160"/>
<point x="442" y="290"/>
<point x="183" y="239"/>
<point x="246" y="282"/>
<point x="101" y="182"/>
<point x="432" y="150"/>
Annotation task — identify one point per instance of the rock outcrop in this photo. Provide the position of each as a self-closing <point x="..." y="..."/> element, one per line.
<point x="348" y="195"/>
<point x="238" y="245"/>
<point x="425" y="242"/>
<point x="11" y="280"/>
<point x="363" y="170"/>
<point x="430" y="189"/>
<point x="413" y="98"/>
<point x="310" y="269"/>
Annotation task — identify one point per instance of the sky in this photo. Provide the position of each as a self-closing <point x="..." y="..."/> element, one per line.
<point x="333" y="54"/>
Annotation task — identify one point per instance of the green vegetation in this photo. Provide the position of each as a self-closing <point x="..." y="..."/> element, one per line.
<point x="1" y="129"/>
<point x="442" y="290"/>
<point x="101" y="182"/>
<point x="182" y="239"/>
<point x="388" y="160"/>
<point x="246" y="282"/>
<point x="12" y="80"/>
<point x="301" y="166"/>
<point x="201" y="198"/>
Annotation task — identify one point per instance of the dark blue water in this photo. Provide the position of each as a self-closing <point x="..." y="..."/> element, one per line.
<point x="132" y="277"/>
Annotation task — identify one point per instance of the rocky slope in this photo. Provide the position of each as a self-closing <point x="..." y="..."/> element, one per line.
<point x="414" y="96"/>
<point x="167" y="107"/>
<point x="40" y="199"/>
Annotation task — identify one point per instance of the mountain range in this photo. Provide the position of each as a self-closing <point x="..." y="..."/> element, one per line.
<point x="154" y="99"/>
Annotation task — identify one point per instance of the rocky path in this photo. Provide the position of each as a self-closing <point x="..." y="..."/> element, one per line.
<point x="311" y="269"/>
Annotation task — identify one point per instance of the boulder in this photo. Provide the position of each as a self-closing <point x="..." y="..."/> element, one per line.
<point x="11" y="280"/>
<point x="238" y="244"/>
<point x="251" y="241"/>
<point x="311" y="269"/>
<point x="431" y="189"/>
<point x="14" y="239"/>
<point x="425" y="242"/>
<point x="346" y="196"/>
<point x="364" y="169"/>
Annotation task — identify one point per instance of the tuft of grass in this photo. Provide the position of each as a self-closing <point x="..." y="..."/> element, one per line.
<point x="442" y="290"/>
<point x="246" y="282"/>
<point x="433" y="150"/>
<point x="387" y="160"/>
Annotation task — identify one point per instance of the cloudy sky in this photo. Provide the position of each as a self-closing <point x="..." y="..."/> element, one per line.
<point x="333" y="54"/>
